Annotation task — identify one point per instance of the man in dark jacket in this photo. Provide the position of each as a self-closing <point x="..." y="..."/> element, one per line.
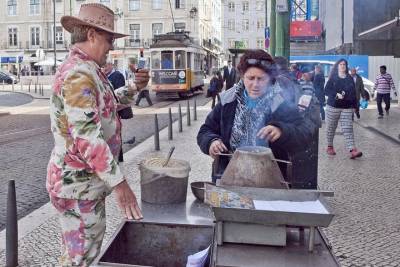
<point x="229" y="75"/>
<point x="360" y="91"/>
<point x="117" y="80"/>
<point x="319" y="84"/>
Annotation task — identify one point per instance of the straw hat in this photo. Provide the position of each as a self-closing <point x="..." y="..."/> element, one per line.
<point x="94" y="15"/>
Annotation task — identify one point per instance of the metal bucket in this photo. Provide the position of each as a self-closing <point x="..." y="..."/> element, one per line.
<point x="164" y="185"/>
<point x="253" y="166"/>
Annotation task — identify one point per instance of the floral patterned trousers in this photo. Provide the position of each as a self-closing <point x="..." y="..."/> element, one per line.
<point x="83" y="224"/>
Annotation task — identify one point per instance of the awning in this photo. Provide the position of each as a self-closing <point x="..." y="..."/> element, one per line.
<point x="387" y="26"/>
<point x="8" y="59"/>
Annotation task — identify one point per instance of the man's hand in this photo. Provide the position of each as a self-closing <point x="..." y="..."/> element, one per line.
<point x="127" y="201"/>
<point x="142" y="78"/>
<point x="269" y="133"/>
<point x="216" y="147"/>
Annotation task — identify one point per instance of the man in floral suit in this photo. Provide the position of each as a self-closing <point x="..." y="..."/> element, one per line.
<point x="83" y="167"/>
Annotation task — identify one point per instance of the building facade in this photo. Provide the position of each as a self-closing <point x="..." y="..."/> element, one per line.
<point x="26" y="34"/>
<point x="243" y="24"/>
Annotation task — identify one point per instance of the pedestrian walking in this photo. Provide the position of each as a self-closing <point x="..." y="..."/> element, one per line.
<point x="229" y="75"/>
<point x="214" y="88"/>
<point x="341" y="93"/>
<point x="319" y="84"/>
<point x="83" y="167"/>
<point x="295" y="72"/>
<point x="360" y="91"/>
<point x="383" y="84"/>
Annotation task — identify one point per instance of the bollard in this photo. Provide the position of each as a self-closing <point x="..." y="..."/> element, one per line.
<point x="156" y="134"/>
<point x="195" y="111"/>
<point x="42" y="90"/>
<point x="12" y="85"/>
<point x="3" y="86"/>
<point x="35" y="88"/>
<point x="29" y="86"/>
<point x="170" y="135"/>
<point x="188" y="113"/>
<point x="21" y="85"/>
<point x="180" y="118"/>
<point x="11" y="227"/>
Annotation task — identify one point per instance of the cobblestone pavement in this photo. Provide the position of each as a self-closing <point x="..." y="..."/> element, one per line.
<point x="365" y="230"/>
<point x="26" y="144"/>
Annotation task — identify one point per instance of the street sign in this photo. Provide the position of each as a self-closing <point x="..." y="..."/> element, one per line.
<point x="239" y="45"/>
<point x="282" y="6"/>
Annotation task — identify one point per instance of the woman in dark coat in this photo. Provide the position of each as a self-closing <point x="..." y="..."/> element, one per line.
<point x="342" y="100"/>
<point x="253" y="113"/>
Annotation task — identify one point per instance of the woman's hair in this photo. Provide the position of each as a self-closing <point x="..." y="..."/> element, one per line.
<point x="79" y="34"/>
<point x="262" y="59"/>
<point x="335" y="70"/>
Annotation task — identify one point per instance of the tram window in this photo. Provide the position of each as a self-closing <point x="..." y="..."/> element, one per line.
<point x="189" y="58"/>
<point x="155" y="60"/>
<point x="180" y="59"/>
<point x="166" y="60"/>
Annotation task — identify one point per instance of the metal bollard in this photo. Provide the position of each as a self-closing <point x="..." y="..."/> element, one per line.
<point x="3" y="85"/>
<point x="170" y="134"/>
<point x="12" y="85"/>
<point x="11" y="227"/>
<point x="156" y="134"/>
<point x="188" y="113"/>
<point x="195" y="111"/>
<point x="42" y="90"/>
<point x="21" y="85"/>
<point x="29" y="86"/>
<point x="35" y="88"/>
<point x="180" y="118"/>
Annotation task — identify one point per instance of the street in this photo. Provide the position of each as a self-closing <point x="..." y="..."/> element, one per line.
<point x="26" y="143"/>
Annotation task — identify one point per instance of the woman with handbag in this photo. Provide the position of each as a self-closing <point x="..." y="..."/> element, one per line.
<point x="342" y="100"/>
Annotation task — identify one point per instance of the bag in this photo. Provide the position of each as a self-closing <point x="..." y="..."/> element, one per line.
<point x="213" y="86"/>
<point x="363" y="103"/>
<point x="125" y="113"/>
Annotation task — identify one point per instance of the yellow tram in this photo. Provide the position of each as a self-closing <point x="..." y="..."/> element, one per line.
<point x="176" y="65"/>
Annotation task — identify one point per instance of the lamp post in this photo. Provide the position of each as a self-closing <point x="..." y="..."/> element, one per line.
<point x="54" y="36"/>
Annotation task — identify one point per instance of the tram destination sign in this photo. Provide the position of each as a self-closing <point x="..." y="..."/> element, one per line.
<point x="168" y="76"/>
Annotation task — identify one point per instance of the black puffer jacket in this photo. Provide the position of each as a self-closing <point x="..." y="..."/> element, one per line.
<point x="296" y="135"/>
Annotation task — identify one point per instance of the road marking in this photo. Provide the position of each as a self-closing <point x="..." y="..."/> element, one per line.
<point x="24" y="131"/>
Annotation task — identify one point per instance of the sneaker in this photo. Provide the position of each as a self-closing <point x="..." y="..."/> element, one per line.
<point x="380" y="116"/>
<point x="358" y="115"/>
<point x="330" y="151"/>
<point x="354" y="153"/>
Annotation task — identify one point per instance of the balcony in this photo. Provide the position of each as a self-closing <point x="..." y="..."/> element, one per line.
<point x="138" y="43"/>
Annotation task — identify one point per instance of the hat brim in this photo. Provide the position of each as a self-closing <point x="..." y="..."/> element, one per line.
<point x="70" y="22"/>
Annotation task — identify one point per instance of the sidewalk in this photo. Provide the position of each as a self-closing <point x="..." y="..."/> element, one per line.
<point x="364" y="231"/>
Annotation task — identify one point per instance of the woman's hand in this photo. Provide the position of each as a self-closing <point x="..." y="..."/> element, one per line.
<point x="216" y="147"/>
<point x="127" y="202"/>
<point x="269" y="133"/>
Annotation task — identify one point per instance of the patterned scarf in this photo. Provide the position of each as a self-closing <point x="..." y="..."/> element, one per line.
<point x="250" y="116"/>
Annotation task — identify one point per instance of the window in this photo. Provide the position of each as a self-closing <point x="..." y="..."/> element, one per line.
<point x="260" y="23"/>
<point x="12" y="37"/>
<point x="179" y="3"/>
<point x="35" y="36"/>
<point x="59" y="35"/>
<point x="180" y="26"/>
<point x="260" y="44"/>
<point x="155" y="60"/>
<point x="157" y="28"/>
<point x="157" y="4"/>
<point x="134" y="31"/>
<point x="231" y="24"/>
<point x="34" y="7"/>
<point x="134" y="5"/>
<point x="166" y="60"/>
<point x="231" y="43"/>
<point x="180" y="59"/>
<point x="259" y="5"/>
<point x="245" y="6"/>
<point x="245" y="24"/>
<point x="12" y="7"/>
<point x="231" y="7"/>
<point x="245" y="43"/>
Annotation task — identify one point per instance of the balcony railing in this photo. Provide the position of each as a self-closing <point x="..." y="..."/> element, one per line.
<point x="137" y="43"/>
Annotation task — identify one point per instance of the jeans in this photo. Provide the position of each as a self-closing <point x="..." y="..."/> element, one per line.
<point x="386" y="99"/>
<point x="322" y="110"/>
<point x="144" y="94"/>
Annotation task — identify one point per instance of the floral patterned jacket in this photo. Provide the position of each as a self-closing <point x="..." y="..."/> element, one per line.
<point x="86" y="129"/>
